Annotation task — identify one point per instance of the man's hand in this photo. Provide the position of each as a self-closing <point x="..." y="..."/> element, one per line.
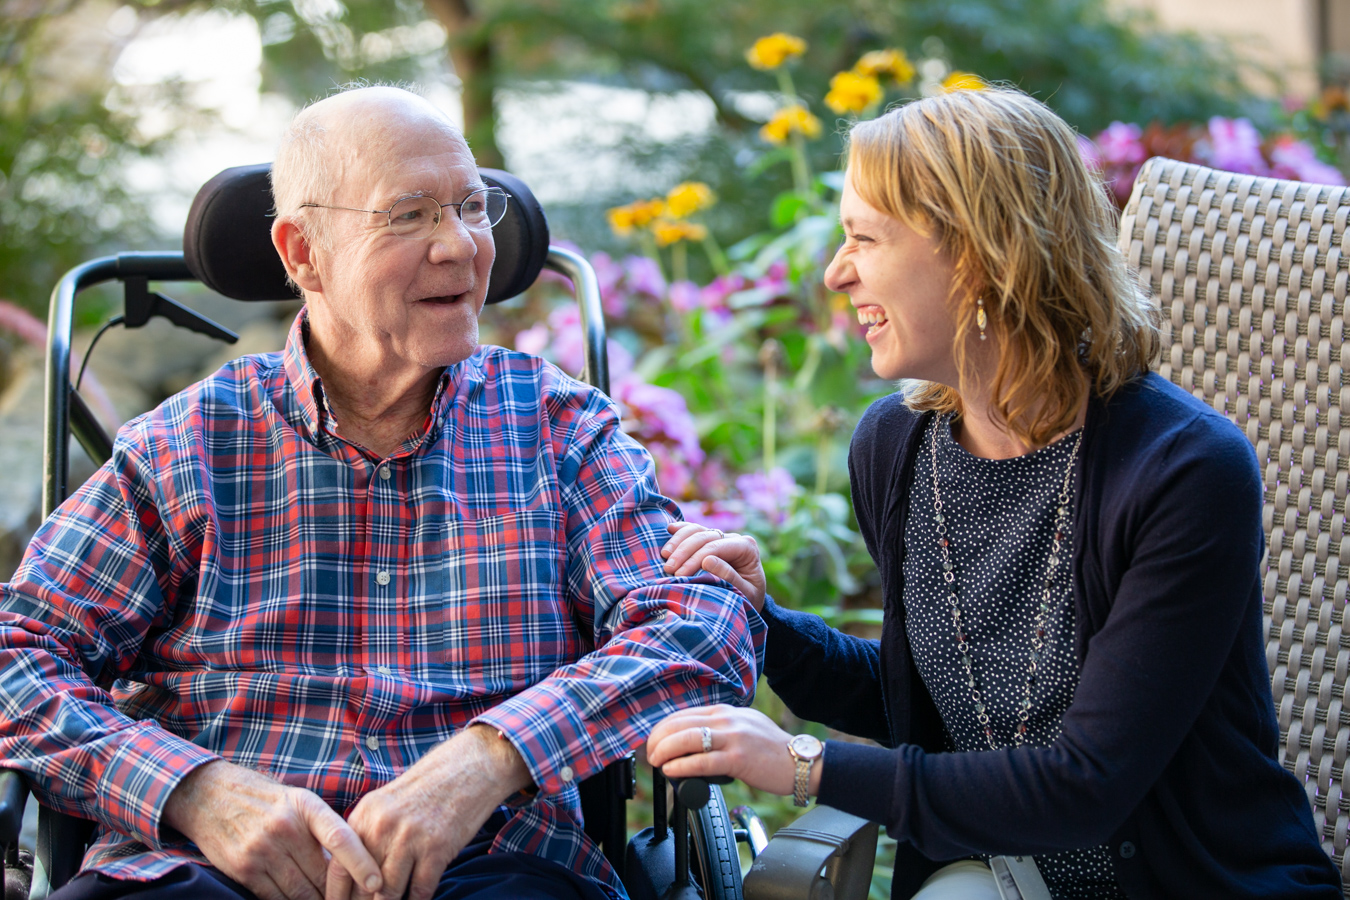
<point x="417" y="823"/>
<point x="268" y="837"/>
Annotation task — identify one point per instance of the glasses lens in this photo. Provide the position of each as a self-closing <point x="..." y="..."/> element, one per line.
<point x="414" y="217"/>
<point x="483" y="209"/>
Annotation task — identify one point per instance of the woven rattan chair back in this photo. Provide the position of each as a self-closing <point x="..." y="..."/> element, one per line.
<point x="1251" y="277"/>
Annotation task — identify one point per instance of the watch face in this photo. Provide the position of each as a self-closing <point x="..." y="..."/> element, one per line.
<point x="806" y="747"/>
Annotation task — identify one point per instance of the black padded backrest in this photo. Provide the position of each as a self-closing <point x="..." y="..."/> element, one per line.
<point x="228" y="240"/>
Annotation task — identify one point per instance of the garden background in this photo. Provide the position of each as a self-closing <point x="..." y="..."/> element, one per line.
<point x="691" y="150"/>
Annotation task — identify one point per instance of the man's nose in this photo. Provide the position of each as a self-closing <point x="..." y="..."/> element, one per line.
<point x="452" y="241"/>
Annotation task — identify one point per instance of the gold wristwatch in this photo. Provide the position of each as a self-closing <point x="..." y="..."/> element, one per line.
<point x="805" y="749"/>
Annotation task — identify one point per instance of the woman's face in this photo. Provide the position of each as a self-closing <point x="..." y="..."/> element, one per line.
<point x="900" y="281"/>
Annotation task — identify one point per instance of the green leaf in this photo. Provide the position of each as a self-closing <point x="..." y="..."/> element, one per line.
<point x="787" y="208"/>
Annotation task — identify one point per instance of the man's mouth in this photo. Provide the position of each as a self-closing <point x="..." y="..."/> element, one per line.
<point x="443" y="300"/>
<point x="874" y="317"/>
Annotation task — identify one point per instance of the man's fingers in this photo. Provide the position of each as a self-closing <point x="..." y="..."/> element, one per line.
<point x="338" y="883"/>
<point x="397" y="868"/>
<point x="338" y="838"/>
<point x="265" y="888"/>
<point x="293" y="882"/>
<point x="425" y="879"/>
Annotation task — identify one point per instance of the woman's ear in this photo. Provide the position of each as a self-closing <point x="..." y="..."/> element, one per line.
<point x="297" y="254"/>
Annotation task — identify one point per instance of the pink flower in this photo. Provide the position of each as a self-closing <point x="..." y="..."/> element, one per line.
<point x="568" y="347"/>
<point x="1121" y="145"/>
<point x="672" y="474"/>
<point x="532" y="340"/>
<point x="1092" y="158"/>
<point x="1233" y="145"/>
<point x="644" y="276"/>
<point x="685" y="296"/>
<point x="769" y="493"/>
<point x="715" y="294"/>
<point x="1296" y="159"/>
<point x="610" y="276"/>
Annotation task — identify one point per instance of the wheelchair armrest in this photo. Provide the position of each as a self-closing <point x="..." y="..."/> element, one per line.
<point x="825" y="853"/>
<point x="13" y="792"/>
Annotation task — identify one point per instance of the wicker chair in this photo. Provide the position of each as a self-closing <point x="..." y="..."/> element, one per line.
<point x="1251" y="275"/>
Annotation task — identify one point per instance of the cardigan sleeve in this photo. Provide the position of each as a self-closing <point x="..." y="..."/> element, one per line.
<point x="821" y="673"/>
<point x="1185" y="533"/>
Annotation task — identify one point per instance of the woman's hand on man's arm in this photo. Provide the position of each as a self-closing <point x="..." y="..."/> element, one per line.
<point x="734" y="558"/>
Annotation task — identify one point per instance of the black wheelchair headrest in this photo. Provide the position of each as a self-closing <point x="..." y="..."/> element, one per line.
<point x="228" y="240"/>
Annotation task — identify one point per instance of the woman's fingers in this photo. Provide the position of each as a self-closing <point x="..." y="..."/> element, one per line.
<point x="682" y="551"/>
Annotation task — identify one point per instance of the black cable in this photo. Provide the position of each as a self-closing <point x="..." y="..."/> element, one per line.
<point x="115" y="320"/>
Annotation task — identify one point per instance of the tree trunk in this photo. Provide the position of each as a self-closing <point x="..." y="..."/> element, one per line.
<point x="471" y="55"/>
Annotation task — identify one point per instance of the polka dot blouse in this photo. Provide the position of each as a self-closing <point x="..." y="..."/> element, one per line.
<point x="1000" y="516"/>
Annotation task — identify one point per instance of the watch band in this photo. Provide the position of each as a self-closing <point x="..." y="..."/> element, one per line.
<point x="801" y="782"/>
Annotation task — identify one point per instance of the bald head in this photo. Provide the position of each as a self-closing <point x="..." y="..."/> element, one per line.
<point x="343" y="139"/>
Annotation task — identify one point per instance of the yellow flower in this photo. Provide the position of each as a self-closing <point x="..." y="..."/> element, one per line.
<point x="670" y="232"/>
<point x="688" y="198"/>
<point x="787" y="120"/>
<point x="621" y="220"/>
<point x="772" y="51"/>
<point x="646" y="211"/>
<point x="890" y="61"/>
<point x="852" y="92"/>
<point x="963" y="81"/>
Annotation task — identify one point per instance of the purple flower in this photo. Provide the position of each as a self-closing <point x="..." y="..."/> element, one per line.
<point x="1234" y="145"/>
<point x="1121" y="145"/>
<point x="567" y="349"/>
<point x="610" y="276"/>
<point x="769" y="493"/>
<point x="644" y="276"/>
<point x="1296" y="159"/>
<point x="716" y="514"/>
<point x="672" y="474"/>
<point x="658" y="414"/>
<point x="685" y="296"/>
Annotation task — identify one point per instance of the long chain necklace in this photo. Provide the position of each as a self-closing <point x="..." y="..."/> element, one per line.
<point x="1062" y="519"/>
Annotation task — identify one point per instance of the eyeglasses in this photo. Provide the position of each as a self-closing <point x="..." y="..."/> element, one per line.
<point x="417" y="217"/>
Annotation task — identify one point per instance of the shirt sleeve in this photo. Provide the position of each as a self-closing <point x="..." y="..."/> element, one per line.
<point x="661" y="643"/>
<point x="90" y="588"/>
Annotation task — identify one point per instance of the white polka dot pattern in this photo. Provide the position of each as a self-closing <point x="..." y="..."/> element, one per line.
<point x="1251" y="276"/>
<point x="1000" y="519"/>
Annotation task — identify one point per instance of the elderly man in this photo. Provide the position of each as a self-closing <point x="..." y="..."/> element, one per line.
<point x="354" y="618"/>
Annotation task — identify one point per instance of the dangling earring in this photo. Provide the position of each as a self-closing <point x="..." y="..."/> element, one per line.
<point x="980" y="318"/>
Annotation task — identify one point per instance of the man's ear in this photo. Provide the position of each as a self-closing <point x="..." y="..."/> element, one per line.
<point x="297" y="254"/>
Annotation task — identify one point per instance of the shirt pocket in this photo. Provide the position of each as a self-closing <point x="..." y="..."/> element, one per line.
<point x="507" y="623"/>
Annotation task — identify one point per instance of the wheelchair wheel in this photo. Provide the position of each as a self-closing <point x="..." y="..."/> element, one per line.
<point x="715" y="863"/>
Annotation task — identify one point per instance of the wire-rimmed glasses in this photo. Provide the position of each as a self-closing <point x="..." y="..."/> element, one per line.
<point x="418" y="217"/>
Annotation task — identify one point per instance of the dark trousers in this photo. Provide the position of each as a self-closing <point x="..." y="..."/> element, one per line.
<point x="474" y="873"/>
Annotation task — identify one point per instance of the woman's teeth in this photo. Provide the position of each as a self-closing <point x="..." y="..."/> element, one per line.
<point x="871" y="316"/>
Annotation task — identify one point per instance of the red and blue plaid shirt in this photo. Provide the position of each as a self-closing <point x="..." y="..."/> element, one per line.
<point x="239" y="582"/>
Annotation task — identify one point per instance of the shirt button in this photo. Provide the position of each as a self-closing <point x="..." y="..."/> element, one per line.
<point x="383" y="670"/>
<point x="1126" y="850"/>
<point x="566" y="774"/>
<point x="382" y="577"/>
<point x="385" y="473"/>
<point x="372" y="742"/>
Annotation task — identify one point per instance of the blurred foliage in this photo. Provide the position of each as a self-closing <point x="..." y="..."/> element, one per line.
<point x="62" y="150"/>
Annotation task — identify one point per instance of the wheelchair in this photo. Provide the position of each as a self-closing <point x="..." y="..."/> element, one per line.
<point x="690" y="850"/>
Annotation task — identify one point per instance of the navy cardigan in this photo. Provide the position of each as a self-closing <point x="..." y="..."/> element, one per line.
<point x="1168" y="749"/>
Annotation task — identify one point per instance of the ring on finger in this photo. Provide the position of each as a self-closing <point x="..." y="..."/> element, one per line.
<point x="717" y="531"/>
<point x="707" y="738"/>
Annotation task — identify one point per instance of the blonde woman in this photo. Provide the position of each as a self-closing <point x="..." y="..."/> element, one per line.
<point x="1071" y="668"/>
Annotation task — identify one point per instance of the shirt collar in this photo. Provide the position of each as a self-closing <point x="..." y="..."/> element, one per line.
<point x="318" y="416"/>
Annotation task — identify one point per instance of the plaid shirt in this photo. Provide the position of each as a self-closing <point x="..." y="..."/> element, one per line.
<point x="239" y="582"/>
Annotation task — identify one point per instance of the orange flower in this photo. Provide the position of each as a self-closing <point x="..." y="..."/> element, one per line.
<point x="963" y="81"/>
<point x="621" y="220"/>
<point x="688" y="198"/>
<point x="787" y="120"/>
<point x="772" y="51"/>
<point x="670" y="232"/>
<point x="890" y="61"/>
<point x="852" y="92"/>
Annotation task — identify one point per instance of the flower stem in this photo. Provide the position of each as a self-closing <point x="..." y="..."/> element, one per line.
<point x="679" y="261"/>
<point x="716" y="257"/>
<point x="801" y="169"/>
<point x="785" y="84"/>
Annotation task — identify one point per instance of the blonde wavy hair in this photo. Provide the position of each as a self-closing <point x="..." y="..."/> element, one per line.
<point x="997" y="179"/>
